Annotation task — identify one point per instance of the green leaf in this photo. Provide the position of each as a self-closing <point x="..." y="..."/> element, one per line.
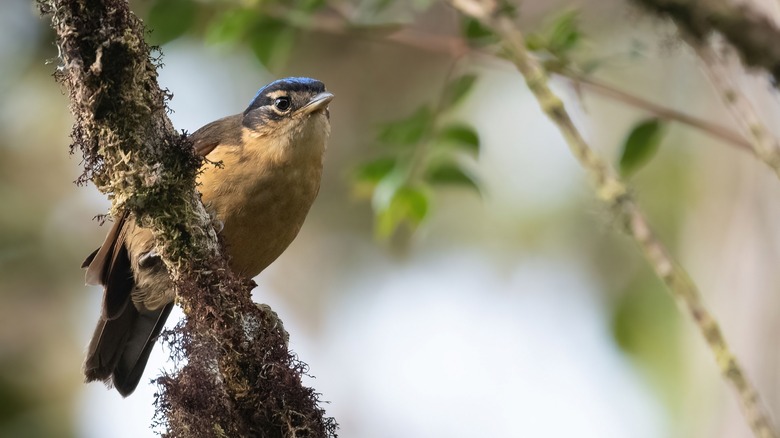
<point x="564" y="34"/>
<point x="449" y="173"/>
<point x="170" y="19"/>
<point x="535" y="42"/>
<point x="408" y="205"/>
<point x="460" y="135"/>
<point x="408" y="131"/>
<point x="386" y="188"/>
<point x="640" y="145"/>
<point x="368" y="175"/>
<point x="476" y="33"/>
<point x="375" y="170"/>
<point x="231" y="26"/>
<point x="381" y="5"/>
<point x="458" y="89"/>
<point x="309" y="6"/>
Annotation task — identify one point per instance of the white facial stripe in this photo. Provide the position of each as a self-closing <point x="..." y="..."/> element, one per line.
<point x="277" y="93"/>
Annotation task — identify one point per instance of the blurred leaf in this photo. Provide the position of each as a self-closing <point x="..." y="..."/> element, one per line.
<point x="458" y="89"/>
<point x="640" y="145"/>
<point x="309" y="6"/>
<point x="462" y="136"/>
<point x="408" y="205"/>
<point x="272" y="41"/>
<point x="408" y="131"/>
<point x="170" y="19"/>
<point x="535" y="42"/>
<point x="450" y="174"/>
<point x="374" y="171"/>
<point x="508" y="8"/>
<point x="646" y="325"/>
<point x="368" y="175"/>
<point x="476" y="33"/>
<point x="231" y="26"/>
<point x="559" y="38"/>
<point x="564" y="33"/>
<point x="381" y="5"/>
<point x="386" y="188"/>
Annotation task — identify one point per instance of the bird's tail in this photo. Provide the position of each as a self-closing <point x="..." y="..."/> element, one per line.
<point x="121" y="346"/>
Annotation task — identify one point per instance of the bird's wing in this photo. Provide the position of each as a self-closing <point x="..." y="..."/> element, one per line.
<point x="124" y="336"/>
<point x="223" y="131"/>
<point x="108" y="264"/>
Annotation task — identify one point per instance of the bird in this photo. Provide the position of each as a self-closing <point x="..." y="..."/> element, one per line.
<point x="260" y="176"/>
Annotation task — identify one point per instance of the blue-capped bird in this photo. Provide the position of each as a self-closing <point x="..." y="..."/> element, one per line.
<point x="271" y="161"/>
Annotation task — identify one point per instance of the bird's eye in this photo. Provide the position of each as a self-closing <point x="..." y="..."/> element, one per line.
<point x="282" y="103"/>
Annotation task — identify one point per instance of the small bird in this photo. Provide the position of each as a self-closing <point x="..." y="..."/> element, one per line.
<point x="271" y="161"/>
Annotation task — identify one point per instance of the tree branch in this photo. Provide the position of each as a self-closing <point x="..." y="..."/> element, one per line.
<point x="458" y="47"/>
<point x="756" y="45"/>
<point x="753" y="35"/>
<point x="616" y="195"/>
<point x="762" y="142"/>
<point x="714" y="130"/>
<point x="239" y="378"/>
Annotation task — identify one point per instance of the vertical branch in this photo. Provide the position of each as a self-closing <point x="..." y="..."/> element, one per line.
<point x="614" y="192"/>
<point x="240" y="379"/>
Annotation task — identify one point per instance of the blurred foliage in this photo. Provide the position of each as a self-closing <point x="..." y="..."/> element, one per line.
<point x="421" y="151"/>
<point x="640" y="146"/>
<point x="269" y="29"/>
<point x="646" y="323"/>
<point x="559" y="38"/>
<point x="170" y="19"/>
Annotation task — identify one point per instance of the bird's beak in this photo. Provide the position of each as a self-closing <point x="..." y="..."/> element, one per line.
<point x="318" y="102"/>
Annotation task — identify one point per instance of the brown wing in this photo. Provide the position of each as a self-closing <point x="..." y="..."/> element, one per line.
<point x="124" y="335"/>
<point x="109" y="266"/>
<point x="226" y="130"/>
<point x="106" y="265"/>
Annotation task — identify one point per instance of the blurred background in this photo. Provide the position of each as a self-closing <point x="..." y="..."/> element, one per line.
<point x="518" y="310"/>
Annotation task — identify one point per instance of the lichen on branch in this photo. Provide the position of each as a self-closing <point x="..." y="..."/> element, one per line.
<point x="129" y="147"/>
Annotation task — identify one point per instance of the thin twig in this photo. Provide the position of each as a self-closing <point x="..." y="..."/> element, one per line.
<point x="458" y="47"/>
<point x="663" y="112"/>
<point x="762" y="142"/>
<point x="615" y="193"/>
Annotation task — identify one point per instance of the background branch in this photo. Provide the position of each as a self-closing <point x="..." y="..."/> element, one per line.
<point x="754" y="38"/>
<point x="752" y="34"/>
<point x="613" y="191"/>
<point x="762" y="142"/>
<point x="458" y="47"/>
<point x="606" y="90"/>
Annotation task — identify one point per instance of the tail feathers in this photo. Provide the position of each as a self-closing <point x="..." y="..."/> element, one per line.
<point x="130" y="369"/>
<point x="107" y="345"/>
<point x="120" y="347"/>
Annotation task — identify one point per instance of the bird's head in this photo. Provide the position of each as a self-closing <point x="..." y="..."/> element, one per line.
<point x="290" y="111"/>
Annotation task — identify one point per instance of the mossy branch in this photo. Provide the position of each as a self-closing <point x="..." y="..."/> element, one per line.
<point x="239" y="378"/>
<point x="616" y="195"/>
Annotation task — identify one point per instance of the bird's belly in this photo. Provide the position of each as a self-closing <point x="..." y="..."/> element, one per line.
<point x="260" y="224"/>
